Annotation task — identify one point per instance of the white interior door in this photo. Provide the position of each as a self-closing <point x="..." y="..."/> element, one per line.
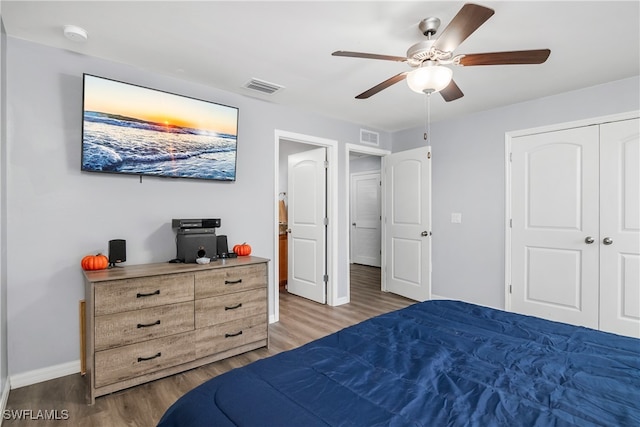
<point x="306" y="224"/>
<point x="365" y="219"/>
<point x="555" y="227"/>
<point x="620" y="224"/>
<point x="407" y="223"/>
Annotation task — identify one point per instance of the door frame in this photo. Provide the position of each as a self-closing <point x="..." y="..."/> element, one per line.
<point x="332" y="213"/>
<point x="507" y="178"/>
<point x="372" y="151"/>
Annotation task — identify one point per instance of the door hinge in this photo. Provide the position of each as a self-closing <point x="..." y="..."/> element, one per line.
<point x="510" y="223"/>
<point x="428" y="154"/>
<point x="326" y="164"/>
<point x="510" y="157"/>
<point x="325" y="278"/>
<point x="510" y="289"/>
<point x="325" y="221"/>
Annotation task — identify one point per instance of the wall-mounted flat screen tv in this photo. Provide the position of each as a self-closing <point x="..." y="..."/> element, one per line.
<point x="131" y="129"/>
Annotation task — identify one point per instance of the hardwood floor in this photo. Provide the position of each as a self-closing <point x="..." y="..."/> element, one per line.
<point x="301" y="321"/>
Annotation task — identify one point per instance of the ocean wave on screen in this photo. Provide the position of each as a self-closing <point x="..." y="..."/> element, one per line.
<point x="163" y="157"/>
<point x="100" y="158"/>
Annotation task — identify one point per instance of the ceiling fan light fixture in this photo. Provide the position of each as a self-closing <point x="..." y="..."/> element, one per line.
<point x="429" y="78"/>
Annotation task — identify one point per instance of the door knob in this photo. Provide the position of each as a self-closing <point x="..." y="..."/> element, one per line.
<point x="607" y="240"/>
<point x="353" y="223"/>
<point x="424" y="233"/>
<point x="288" y="230"/>
<point x="589" y="240"/>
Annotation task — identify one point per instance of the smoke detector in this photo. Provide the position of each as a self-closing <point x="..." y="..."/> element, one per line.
<point x="75" y="33"/>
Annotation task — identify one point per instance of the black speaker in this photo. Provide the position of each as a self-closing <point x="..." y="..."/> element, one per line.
<point x="117" y="251"/>
<point x="223" y="248"/>
<point x="196" y="245"/>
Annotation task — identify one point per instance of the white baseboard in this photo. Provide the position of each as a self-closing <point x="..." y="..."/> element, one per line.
<point x="44" y="374"/>
<point x="4" y="397"/>
<point x="341" y="301"/>
<point x="434" y="296"/>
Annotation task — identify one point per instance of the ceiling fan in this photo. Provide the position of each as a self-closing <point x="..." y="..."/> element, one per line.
<point x="429" y="57"/>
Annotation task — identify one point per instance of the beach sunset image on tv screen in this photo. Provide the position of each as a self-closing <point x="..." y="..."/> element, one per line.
<point x="136" y="130"/>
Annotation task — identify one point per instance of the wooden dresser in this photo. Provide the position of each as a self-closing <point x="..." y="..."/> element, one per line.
<point x="145" y="322"/>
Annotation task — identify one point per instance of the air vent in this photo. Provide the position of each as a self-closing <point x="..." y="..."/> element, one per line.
<point x="263" y="87"/>
<point x="369" y="137"/>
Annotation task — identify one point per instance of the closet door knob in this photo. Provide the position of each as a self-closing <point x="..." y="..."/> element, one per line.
<point x="589" y="240"/>
<point x="607" y="241"/>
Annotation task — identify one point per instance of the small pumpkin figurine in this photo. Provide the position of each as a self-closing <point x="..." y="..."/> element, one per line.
<point x="94" y="262"/>
<point x="243" y="249"/>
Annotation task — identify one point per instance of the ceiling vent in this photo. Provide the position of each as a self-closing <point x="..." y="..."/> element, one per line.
<point x="369" y="137"/>
<point x="262" y="86"/>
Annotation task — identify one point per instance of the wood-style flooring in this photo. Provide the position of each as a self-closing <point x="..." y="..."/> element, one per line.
<point x="301" y="321"/>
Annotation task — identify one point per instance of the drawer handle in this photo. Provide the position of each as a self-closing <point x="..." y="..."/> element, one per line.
<point x="232" y="282"/>
<point x="146" y="325"/>
<point x="233" y="335"/>
<point x="144" y="359"/>
<point x="148" y="295"/>
<point x="233" y="308"/>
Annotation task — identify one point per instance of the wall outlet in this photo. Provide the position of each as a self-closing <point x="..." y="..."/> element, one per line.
<point x="456" y="218"/>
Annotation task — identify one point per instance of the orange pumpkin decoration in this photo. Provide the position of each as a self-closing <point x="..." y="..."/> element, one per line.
<point x="242" y="249"/>
<point x="94" y="262"/>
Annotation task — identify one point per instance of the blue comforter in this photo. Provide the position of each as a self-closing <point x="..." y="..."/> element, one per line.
<point x="437" y="363"/>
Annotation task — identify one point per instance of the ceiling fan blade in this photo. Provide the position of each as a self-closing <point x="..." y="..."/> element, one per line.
<point x="369" y="56"/>
<point x="468" y="19"/>
<point x="451" y="92"/>
<point x="385" y="84"/>
<point x="506" y="58"/>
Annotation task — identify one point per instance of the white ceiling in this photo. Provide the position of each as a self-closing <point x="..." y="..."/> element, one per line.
<point x="224" y="44"/>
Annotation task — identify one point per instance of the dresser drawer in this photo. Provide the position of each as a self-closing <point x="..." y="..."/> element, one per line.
<point x="129" y="327"/>
<point x="135" y="360"/>
<point x="218" y="338"/>
<point x="132" y="294"/>
<point x="225" y="308"/>
<point x="225" y="280"/>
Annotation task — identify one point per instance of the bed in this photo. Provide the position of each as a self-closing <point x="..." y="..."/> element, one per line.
<point x="436" y="363"/>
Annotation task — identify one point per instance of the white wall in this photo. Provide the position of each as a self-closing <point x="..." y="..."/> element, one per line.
<point x="360" y="163"/>
<point x="468" y="178"/>
<point x="56" y="214"/>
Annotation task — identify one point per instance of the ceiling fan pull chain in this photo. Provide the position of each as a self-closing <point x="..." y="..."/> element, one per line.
<point x="428" y="117"/>
<point x="426" y="120"/>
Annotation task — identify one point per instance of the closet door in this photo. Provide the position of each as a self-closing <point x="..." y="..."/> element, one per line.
<point x="555" y="227"/>
<point x="620" y="227"/>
